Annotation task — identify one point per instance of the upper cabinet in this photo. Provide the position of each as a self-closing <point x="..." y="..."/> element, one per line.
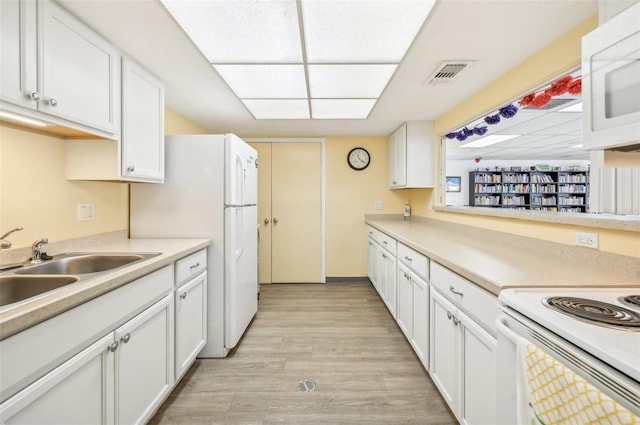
<point x="55" y="65"/>
<point x="411" y="156"/>
<point x="142" y="123"/>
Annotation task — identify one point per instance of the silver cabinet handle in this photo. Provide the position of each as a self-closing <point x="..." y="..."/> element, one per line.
<point x="194" y="266"/>
<point x="183" y="295"/>
<point x="456" y="320"/>
<point x="370" y="243"/>
<point x="275" y="221"/>
<point x="131" y="168"/>
<point x="125" y="338"/>
<point x="408" y="259"/>
<point x="384" y="242"/>
<point x="52" y="102"/>
<point x="113" y="347"/>
<point x="395" y="182"/>
<point x="384" y="256"/>
<point x="35" y="96"/>
<point x="449" y="315"/>
<point x="452" y="289"/>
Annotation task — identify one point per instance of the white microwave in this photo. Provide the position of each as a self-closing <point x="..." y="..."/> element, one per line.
<point x="611" y="83"/>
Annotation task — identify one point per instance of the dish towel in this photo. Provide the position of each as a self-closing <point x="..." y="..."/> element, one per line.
<point x="549" y="393"/>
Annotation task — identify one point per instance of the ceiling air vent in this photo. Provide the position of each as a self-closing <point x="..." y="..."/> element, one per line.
<point x="447" y="71"/>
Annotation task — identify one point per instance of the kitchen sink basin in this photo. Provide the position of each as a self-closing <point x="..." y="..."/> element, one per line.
<point x="16" y="288"/>
<point x="83" y="263"/>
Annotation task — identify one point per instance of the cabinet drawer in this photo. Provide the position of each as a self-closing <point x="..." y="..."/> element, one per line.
<point x="417" y="262"/>
<point x="191" y="266"/>
<point x="474" y="301"/>
<point x="372" y="233"/>
<point x="23" y="358"/>
<point x="388" y="243"/>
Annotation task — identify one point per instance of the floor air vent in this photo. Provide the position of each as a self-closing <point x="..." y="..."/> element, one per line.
<point x="306" y="385"/>
<point x="447" y="71"/>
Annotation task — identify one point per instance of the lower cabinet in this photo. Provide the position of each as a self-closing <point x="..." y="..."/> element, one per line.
<point x="405" y="301"/>
<point x="413" y="311"/>
<point x="387" y="279"/>
<point x="121" y="378"/>
<point x="462" y="362"/>
<point x="372" y="269"/>
<point x="191" y="322"/>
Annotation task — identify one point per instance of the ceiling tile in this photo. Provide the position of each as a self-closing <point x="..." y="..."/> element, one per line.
<point x="231" y="31"/>
<point x="265" y="81"/>
<point x="269" y="109"/>
<point x="341" y="108"/>
<point x="348" y="81"/>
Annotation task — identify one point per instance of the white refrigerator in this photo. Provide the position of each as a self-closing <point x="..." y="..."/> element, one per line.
<point x="210" y="191"/>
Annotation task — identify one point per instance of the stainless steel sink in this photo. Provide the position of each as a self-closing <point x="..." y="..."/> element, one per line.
<point x="83" y="263"/>
<point x="14" y="288"/>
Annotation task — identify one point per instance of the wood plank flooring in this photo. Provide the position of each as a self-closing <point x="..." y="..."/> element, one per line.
<point x="339" y="335"/>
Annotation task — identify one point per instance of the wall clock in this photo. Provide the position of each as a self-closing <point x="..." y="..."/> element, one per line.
<point x="358" y="159"/>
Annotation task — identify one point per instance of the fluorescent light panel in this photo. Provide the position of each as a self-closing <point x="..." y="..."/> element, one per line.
<point x="490" y="140"/>
<point x="352" y="49"/>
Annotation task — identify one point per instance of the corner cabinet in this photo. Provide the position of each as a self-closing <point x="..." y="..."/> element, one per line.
<point x="138" y="155"/>
<point x="57" y="69"/>
<point x="411" y="156"/>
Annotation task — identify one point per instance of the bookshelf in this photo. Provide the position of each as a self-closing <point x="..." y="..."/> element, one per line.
<point x="563" y="191"/>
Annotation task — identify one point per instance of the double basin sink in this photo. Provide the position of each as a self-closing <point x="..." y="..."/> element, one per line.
<point x="30" y="281"/>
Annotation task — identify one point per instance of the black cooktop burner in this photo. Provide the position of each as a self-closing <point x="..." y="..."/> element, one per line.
<point x="631" y="300"/>
<point x="596" y="312"/>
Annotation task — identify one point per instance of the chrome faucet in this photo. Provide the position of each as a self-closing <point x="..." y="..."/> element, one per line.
<point x="4" y="244"/>
<point x="36" y="250"/>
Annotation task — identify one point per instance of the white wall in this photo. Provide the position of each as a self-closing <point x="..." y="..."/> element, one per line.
<point x="461" y="168"/>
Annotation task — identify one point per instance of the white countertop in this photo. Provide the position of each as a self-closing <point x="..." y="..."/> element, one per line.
<point x="489" y="260"/>
<point x="15" y="319"/>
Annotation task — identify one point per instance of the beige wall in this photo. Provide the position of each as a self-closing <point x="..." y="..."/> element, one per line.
<point x="349" y="196"/>
<point x="552" y="61"/>
<point x="34" y="193"/>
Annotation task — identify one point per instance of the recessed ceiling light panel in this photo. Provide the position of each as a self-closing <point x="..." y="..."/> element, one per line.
<point x="232" y="31"/>
<point x="357" y="109"/>
<point x="348" y="81"/>
<point x="489" y="140"/>
<point x="272" y="109"/>
<point x="265" y="81"/>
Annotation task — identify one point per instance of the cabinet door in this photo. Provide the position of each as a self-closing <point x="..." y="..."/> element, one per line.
<point x="191" y="322"/>
<point x="479" y="374"/>
<point x="444" y="357"/>
<point x="391" y="284"/>
<point x="78" y="71"/>
<point x="142" y="124"/>
<point x="18" y="52"/>
<point x="144" y="363"/>
<point x="420" y="340"/>
<point x="405" y="301"/>
<point x="80" y="391"/>
<point x="371" y="261"/>
<point x="398" y="158"/>
<point x="381" y="263"/>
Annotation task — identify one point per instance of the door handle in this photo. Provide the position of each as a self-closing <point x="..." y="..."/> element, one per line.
<point x="266" y="221"/>
<point x="275" y="221"/>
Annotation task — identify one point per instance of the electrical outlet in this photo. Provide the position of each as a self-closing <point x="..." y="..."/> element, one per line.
<point x="378" y="205"/>
<point x="590" y="240"/>
<point x="86" y="211"/>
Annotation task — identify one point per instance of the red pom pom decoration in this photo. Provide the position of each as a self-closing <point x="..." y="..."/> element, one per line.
<point x="575" y="87"/>
<point x="541" y="100"/>
<point x="525" y="101"/>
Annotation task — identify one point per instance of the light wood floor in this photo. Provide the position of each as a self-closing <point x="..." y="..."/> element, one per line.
<point x="339" y="335"/>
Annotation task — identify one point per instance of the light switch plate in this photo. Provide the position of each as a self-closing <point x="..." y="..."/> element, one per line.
<point x="86" y="211"/>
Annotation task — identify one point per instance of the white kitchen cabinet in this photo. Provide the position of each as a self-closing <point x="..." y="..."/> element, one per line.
<point x="462" y="362"/>
<point x="142" y="140"/>
<point x="144" y="363"/>
<point x="136" y="156"/>
<point x="18" y="53"/>
<point x="80" y="391"/>
<point x="387" y="279"/>
<point x="191" y="322"/>
<point x="405" y="301"/>
<point x="372" y="269"/>
<point x="420" y="338"/>
<point x="411" y="155"/>
<point x="57" y="69"/>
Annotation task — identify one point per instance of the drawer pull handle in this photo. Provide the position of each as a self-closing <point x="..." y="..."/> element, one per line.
<point x="452" y="289"/>
<point x="456" y="320"/>
<point x="113" y="347"/>
<point x="194" y="266"/>
<point x="384" y="256"/>
<point x="449" y="315"/>
<point x="384" y="242"/>
<point x="408" y="259"/>
<point x="35" y="96"/>
<point x="125" y="338"/>
<point x="183" y="295"/>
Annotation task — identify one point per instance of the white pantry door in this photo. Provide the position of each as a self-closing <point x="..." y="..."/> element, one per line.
<point x="290" y="212"/>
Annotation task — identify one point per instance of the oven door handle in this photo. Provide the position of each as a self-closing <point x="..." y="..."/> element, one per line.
<point x="503" y="328"/>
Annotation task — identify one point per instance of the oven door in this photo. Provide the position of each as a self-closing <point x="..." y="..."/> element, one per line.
<point x="515" y="403"/>
<point x="611" y="82"/>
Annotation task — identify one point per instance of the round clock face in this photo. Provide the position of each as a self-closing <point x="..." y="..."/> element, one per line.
<point x="358" y="158"/>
